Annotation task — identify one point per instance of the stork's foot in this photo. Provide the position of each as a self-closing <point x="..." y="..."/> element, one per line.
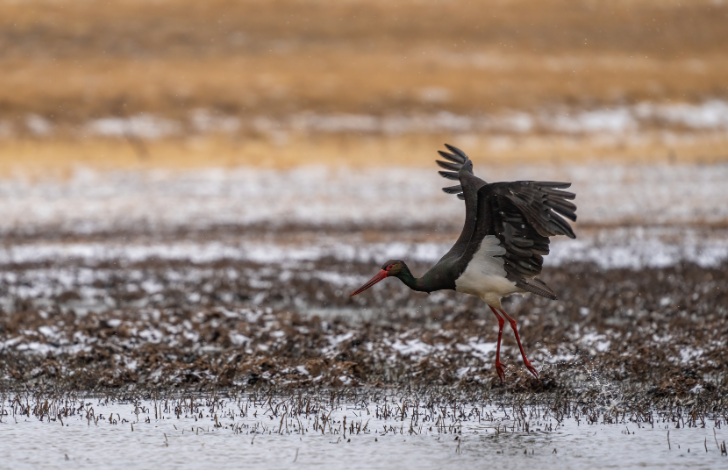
<point x="520" y="346"/>
<point x="501" y="372"/>
<point x="531" y="368"/>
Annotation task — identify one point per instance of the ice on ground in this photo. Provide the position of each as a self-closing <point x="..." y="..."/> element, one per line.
<point x="709" y="114"/>
<point x="615" y="120"/>
<point x="142" y="126"/>
<point x="411" y="347"/>
<point x="166" y="200"/>
<point x="633" y="248"/>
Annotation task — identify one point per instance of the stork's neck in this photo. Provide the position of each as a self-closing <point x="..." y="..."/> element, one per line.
<point x="405" y="275"/>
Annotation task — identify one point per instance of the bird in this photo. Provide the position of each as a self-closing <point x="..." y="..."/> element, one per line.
<point x="500" y="250"/>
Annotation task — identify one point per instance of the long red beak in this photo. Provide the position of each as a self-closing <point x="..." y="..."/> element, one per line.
<point x="380" y="275"/>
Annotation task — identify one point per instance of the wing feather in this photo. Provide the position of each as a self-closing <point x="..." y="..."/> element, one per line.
<point x="453" y="189"/>
<point x="457" y="152"/>
<point x="459" y="167"/>
<point x="448" y="166"/>
<point x="449" y="175"/>
<point x="523" y="215"/>
<point x="454" y="158"/>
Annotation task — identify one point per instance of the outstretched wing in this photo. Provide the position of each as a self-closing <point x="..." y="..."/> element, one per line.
<point x="522" y="215"/>
<point x="459" y="167"/>
<point x="456" y="161"/>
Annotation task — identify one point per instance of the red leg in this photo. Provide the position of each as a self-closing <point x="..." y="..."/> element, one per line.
<point x="498" y="365"/>
<point x="523" y="353"/>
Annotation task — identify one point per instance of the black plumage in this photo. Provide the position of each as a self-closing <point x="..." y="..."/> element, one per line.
<point x="504" y="239"/>
<point x="522" y="214"/>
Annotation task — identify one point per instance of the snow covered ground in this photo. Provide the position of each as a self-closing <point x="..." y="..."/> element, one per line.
<point x="622" y="119"/>
<point x="608" y="248"/>
<point x="91" y="201"/>
<point x="124" y="260"/>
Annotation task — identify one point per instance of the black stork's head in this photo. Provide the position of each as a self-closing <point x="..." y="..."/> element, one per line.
<point x="392" y="268"/>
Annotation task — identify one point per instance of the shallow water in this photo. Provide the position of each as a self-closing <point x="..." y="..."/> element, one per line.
<point x="356" y="435"/>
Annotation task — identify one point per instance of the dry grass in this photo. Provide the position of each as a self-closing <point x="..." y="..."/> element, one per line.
<point x="75" y="60"/>
<point x="32" y="158"/>
<point x="78" y="60"/>
<point x="333" y="80"/>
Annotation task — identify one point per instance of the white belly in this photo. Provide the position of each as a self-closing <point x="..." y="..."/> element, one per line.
<point x="485" y="275"/>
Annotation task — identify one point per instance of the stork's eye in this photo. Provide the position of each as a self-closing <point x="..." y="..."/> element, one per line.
<point x="390" y="267"/>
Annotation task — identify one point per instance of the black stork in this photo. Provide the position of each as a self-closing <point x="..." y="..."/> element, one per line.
<point x="501" y="248"/>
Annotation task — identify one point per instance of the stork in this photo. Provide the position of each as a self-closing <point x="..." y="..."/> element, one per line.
<point x="501" y="247"/>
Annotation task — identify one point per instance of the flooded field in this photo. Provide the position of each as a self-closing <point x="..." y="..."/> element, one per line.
<point x="426" y="428"/>
<point x="189" y="192"/>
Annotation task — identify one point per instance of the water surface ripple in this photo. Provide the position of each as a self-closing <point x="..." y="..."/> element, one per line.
<point x="387" y="432"/>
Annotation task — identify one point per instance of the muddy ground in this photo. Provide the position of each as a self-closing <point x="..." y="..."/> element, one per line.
<point x="655" y="333"/>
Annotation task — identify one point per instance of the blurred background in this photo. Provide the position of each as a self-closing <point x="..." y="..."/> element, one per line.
<point x="278" y="84"/>
<point x="118" y="92"/>
<point x="272" y="154"/>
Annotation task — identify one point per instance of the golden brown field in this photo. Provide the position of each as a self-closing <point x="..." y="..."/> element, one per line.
<point x="72" y="62"/>
<point x="61" y="158"/>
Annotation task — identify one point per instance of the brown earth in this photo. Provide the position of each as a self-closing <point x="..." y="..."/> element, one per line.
<point x="664" y="330"/>
<point x="39" y="158"/>
<point x="70" y="62"/>
<point x="77" y="60"/>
